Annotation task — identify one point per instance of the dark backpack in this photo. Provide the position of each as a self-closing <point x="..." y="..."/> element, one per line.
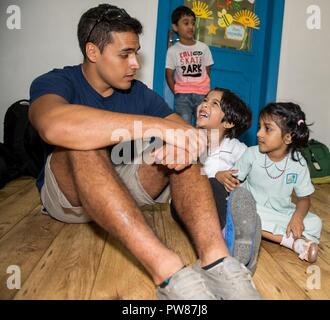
<point x="318" y="159"/>
<point x="8" y="170"/>
<point x="22" y="140"/>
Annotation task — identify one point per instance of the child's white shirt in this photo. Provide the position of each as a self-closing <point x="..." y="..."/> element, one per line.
<point x="223" y="157"/>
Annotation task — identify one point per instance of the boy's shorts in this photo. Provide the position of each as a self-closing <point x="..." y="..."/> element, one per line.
<point x="58" y="206"/>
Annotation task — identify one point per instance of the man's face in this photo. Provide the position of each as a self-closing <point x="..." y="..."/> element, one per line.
<point x="117" y="65"/>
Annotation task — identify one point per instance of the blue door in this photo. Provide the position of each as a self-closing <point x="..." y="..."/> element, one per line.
<point x="251" y="73"/>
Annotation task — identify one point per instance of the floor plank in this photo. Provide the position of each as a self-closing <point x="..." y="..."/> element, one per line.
<point x="121" y="276"/>
<point x="299" y="270"/>
<point x="273" y="282"/>
<point x="68" y="268"/>
<point x="15" y="186"/>
<point x="324" y="250"/>
<point x="61" y="261"/>
<point x="322" y="193"/>
<point x="17" y="206"/>
<point x="24" y="245"/>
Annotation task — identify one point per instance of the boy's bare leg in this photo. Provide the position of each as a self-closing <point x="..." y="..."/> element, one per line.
<point x="87" y="178"/>
<point x="193" y="199"/>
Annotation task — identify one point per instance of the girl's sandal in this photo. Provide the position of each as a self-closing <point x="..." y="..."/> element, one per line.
<point x="310" y="252"/>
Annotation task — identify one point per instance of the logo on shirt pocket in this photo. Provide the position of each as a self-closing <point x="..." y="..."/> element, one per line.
<point x="291" y="178"/>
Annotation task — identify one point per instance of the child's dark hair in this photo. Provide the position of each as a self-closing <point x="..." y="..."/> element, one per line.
<point x="180" y="12"/>
<point x="291" y="119"/>
<point x="236" y="112"/>
<point x="97" y="23"/>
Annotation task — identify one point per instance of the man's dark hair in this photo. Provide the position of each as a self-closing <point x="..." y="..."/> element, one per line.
<point x="180" y="12"/>
<point x="236" y="112"/>
<point x="97" y="23"/>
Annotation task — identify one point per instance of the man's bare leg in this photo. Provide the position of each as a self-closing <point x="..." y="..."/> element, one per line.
<point x="193" y="199"/>
<point x="87" y="178"/>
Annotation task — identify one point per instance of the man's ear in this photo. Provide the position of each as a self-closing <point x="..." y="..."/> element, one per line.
<point x="228" y="125"/>
<point x="91" y="51"/>
<point x="174" y="27"/>
<point x="287" y="138"/>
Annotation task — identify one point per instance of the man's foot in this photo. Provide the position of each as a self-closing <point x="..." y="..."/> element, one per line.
<point x="186" y="284"/>
<point x="242" y="208"/>
<point x="230" y="280"/>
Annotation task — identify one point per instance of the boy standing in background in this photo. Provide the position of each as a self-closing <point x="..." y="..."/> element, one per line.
<point x="187" y="65"/>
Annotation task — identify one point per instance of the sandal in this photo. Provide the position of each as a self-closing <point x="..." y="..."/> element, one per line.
<point x="310" y="251"/>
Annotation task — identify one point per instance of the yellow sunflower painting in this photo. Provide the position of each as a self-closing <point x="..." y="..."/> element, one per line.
<point x="247" y="18"/>
<point x="201" y="10"/>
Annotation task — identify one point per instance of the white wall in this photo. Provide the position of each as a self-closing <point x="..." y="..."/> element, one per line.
<point x="48" y="40"/>
<point x="304" y="75"/>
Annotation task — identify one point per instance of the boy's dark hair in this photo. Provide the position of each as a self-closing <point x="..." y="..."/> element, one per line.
<point x="291" y="119"/>
<point x="97" y="23"/>
<point x="180" y="12"/>
<point x="236" y="112"/>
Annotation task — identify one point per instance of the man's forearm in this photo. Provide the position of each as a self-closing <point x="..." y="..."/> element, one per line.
<point x="83" y="128"/>
<point x="79" y="127"/>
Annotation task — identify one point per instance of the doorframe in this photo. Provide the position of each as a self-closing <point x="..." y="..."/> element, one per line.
<point x="272" y="43"/>
<point x="272" y="64"/>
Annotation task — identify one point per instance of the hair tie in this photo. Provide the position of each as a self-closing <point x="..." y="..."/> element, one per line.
<point x="301" y="121"/>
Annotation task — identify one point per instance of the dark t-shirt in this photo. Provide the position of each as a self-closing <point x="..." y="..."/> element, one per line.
<point x="71" y="84"/>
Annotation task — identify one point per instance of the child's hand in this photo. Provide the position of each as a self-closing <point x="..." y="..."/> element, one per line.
<point x="228" y="179"/>
<point x="296" y="226"/>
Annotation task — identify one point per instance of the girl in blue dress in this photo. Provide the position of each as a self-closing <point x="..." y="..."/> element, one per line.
<point x="272" y="171"/>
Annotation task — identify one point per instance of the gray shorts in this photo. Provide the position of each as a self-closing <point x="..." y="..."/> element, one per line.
<point x="58" y="206"/>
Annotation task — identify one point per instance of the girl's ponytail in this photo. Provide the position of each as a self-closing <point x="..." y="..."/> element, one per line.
<point x="300" y="134"/>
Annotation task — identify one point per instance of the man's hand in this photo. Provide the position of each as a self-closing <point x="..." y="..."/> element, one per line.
<point x="179" y="134"/>
<point x="172" y="157"/>
<point x="228" y="179"/>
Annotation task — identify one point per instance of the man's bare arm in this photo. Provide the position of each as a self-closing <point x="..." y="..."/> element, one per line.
<point x="84" y="128"/>
<point x="176" y="118"/>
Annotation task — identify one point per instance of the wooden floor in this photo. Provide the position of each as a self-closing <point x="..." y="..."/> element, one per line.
<point x="59" y="261"/>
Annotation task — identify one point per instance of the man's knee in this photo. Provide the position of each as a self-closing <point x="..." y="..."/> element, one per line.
<point x="194" y="170"/>
<point x="71" y="167"/>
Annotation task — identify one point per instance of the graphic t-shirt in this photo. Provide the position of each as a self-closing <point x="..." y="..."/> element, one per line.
<point x="189" y="63"/>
